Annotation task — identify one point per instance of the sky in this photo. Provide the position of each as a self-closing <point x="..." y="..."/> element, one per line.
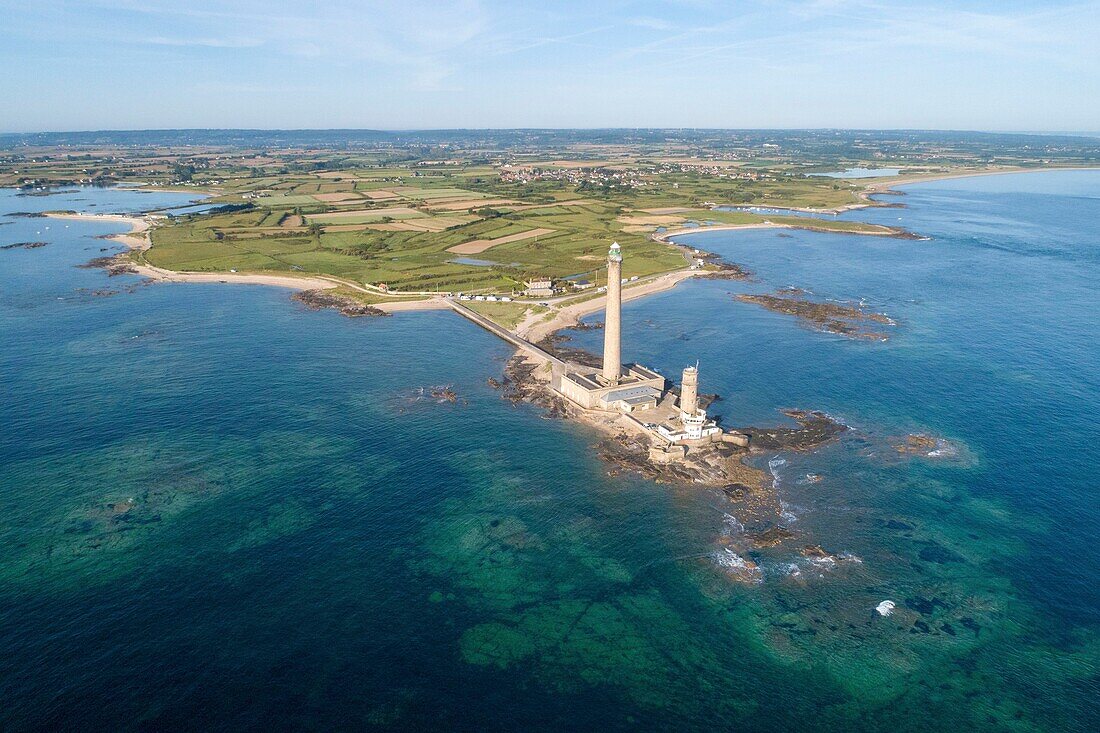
<point x="420" y="64"/>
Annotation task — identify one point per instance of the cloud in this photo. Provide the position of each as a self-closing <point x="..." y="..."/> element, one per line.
<point x="203" y="42"/>
<point x="656" y="24"/>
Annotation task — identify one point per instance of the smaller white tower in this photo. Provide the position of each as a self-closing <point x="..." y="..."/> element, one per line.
<point x="692" y="418"/>
<point x="694" y="424"/>
<point x="689" y="392"/>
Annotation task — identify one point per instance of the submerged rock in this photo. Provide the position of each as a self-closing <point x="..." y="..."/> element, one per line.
<point x="438" y="394"/>
<point x="739" y="568"/>
<point x="929" y="446"/>
<point x="771" y="536"/>
<point x="916" y="443"/>
<point x="24" y="245"/>
<point x="924" y="606"/>
<point x="936" y="553"/>
<point x="97" y="292"/>
<point x="444" y="393"/>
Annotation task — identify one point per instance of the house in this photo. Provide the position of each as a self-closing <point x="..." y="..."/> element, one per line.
<point x="539" y="287"/>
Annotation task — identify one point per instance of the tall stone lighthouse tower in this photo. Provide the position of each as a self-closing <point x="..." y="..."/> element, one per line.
<point x="612" y="357"/>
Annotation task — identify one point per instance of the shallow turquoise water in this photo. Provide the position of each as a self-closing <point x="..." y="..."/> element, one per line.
<point x="223" y="510"/>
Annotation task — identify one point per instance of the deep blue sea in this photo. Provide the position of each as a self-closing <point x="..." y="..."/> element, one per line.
<point x="223" y="511"/>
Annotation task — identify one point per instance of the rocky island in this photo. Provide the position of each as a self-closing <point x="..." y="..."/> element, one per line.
<point x="851" y="320"/>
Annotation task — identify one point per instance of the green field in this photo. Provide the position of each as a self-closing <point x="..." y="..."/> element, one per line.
<point x="404" y="238"/>
<point x="417" y="261"/>
<point x="420" y="261"/>
<point x="507" y="315"/>
<point x="366" y="217"/>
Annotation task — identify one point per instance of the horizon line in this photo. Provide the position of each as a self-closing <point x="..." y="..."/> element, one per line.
<point x="385" y="130"/>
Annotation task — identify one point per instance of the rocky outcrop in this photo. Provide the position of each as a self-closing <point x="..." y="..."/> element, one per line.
<point x="118" y="264"/>
<point x="444" y="393"/>
<point x="726" y="271"/>
<point x="555" y="344"/>
<point x="318" y="299"/>
<point x="520" y="384"/>
<point x="814" y="429"/>
<point x="917" y="444"/>
<point x="24" y="245"/>
<point x="722" y="270"/>
<point x="850" y="320"/>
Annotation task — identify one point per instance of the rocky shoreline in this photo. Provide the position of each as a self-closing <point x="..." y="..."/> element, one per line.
<point x="319" y="299"/>
<point x="116" y="264"/>
<point x="722" y="466"/>
<point x="555" y="344"/>
<point x="722" y="270"/>
<point x="520" y="384"/>
<point x="814" y="429"/>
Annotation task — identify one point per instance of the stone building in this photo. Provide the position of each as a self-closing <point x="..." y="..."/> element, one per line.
<point x="539" y="287"/>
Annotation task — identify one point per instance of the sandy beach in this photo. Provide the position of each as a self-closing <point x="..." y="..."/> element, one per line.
<point x="235" y="278"/>
<point x="399" y="306"/>
<point x="136" y="238"/>
<point x="667" y="235"/>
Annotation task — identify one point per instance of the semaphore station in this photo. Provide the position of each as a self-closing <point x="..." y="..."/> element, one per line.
<point x="638" y="393"/>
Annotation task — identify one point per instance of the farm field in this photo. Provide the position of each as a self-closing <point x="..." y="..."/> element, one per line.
<point x="404" y="230"/>
<point x="462" y="218"/>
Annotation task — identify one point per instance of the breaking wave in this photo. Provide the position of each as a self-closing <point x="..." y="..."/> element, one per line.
<point x="738" y="566"/>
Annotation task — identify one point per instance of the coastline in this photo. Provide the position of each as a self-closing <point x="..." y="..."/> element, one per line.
<point x="537" y="326"/>
<point x="886" y="185"/>
<point x="882" y="186"/>
<point x="198" y="452"/>
<point x="625" y="443"/>
<point x="137" y="239"/>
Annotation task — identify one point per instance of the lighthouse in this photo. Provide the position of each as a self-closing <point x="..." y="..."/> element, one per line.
<point x="615" y="386"/>
<point x="612" y="356"/>
<point x="689" y="392"/>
